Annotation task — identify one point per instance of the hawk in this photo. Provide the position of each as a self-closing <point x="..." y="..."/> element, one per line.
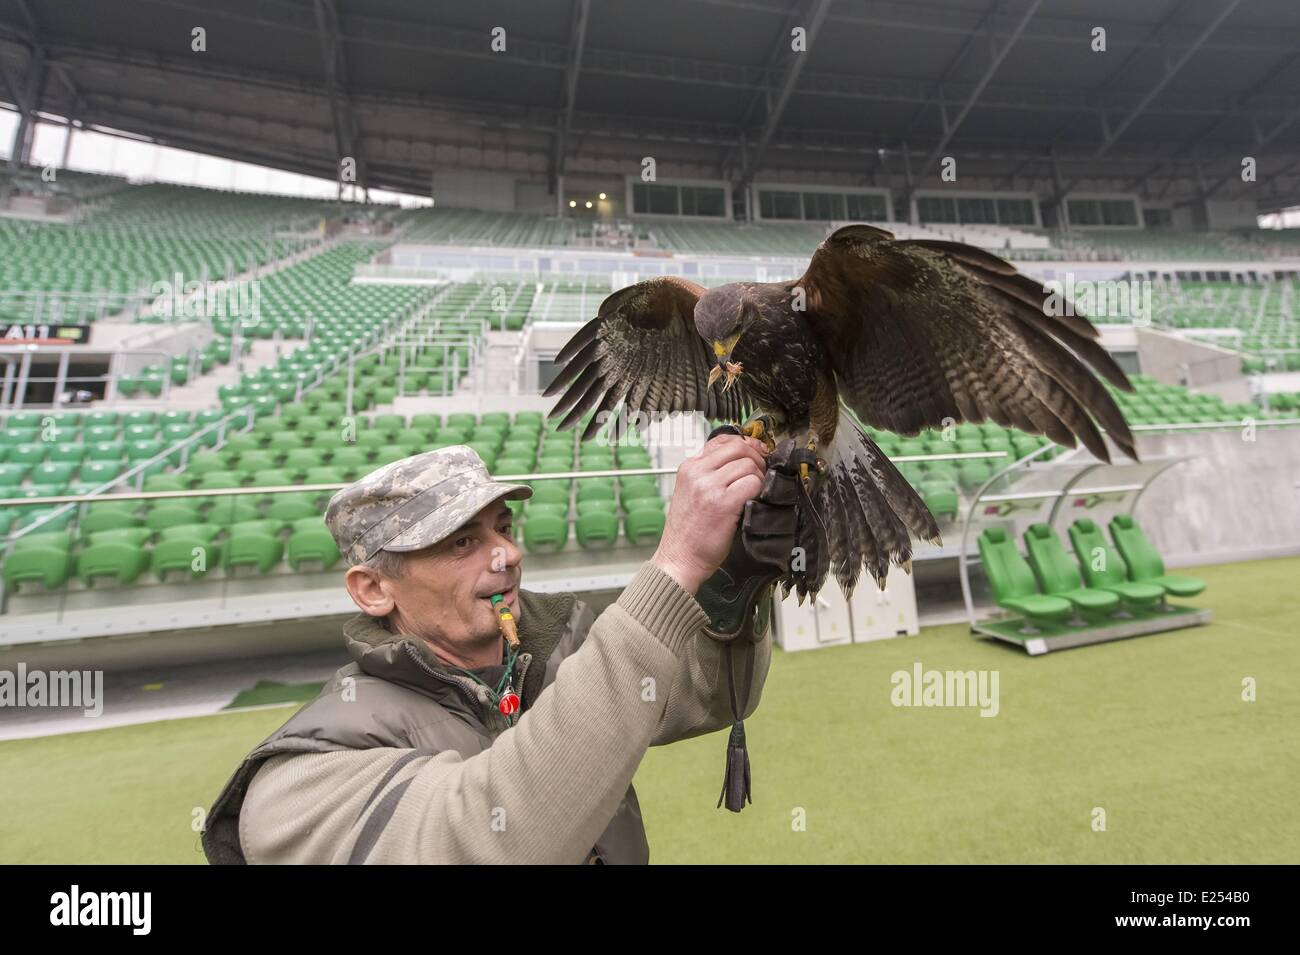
<point x="906" y="334"/>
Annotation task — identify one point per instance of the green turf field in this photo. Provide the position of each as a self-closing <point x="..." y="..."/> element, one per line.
<point x="1153" y="730"/>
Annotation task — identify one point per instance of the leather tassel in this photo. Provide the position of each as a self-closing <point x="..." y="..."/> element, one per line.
<point x="735" y="784"/>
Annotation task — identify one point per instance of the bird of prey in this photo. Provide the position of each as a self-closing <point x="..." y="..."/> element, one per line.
<point x="908" y="334"/>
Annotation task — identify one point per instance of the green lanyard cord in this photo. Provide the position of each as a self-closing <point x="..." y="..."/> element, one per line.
<point x="511" y="655"/>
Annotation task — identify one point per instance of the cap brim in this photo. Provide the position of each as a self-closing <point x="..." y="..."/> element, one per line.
<point x="445" y="521"/>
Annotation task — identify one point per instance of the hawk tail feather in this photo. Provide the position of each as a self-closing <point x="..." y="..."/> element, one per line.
<point x="868" y="511"/>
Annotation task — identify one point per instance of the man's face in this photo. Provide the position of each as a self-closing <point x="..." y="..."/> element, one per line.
<point x="443" y="596"/>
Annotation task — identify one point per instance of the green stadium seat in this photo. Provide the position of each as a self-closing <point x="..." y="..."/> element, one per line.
<point x="45" y="490"/>
<point x="243" y="442"/>
<point x="596" y="529"/>
<point x="373" y="441"/>
<point x="1058" y="574"/>
<point x="53" y="472"/>
<point x="545" y="533"/>
<point x="1104" y="568"/>
<point x="170" y="514"/>
<point x="24" y="419"/>
<point x="291" y="507"/>
<point x="47" y="566"/>
<point x="12" y="436"/>
<point x="187" y="551"/>
<point x="13" y="474"/>
<point x="1013" y="584"/>
<point x="940" y="497"/>
<point x="137" y="451"/>
<point x="204" y="532"/>
<point x="252" y="546"/>
<point x="351" y="461"/>
<point x="166" y="482"/>
<point x="43" y="539"/>
<point x="595" y="488"/>
<point x="643" y="525"/>
<point x="251" y="462"/>
<point x="974" y="472"/>
<point x="205" y="462"/>
<point x="1145" y="565"/>
<point x="29" y="453"/>
<point x="99" y="432"/>
<point x="426" y="424"/>
<point x="312" y="547"/>
<point x="100" y="472"/>
<point x="135" y="536"/>
<point x="231" y="509"/>
<point x="68" y="451"/>
<point x="300" y="460"/>
<point x="121" y="561"/>
<point x="97" y="521"/>
<point x="554" y="492"/>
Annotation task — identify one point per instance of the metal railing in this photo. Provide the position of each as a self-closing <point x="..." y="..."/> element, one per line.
<point x="13" y="387"/>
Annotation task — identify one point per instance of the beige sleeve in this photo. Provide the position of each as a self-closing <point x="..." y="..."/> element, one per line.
<point x="542" y="793"/>
<point x="700" y="701"/>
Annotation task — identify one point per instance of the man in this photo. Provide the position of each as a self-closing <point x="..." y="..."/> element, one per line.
<point x="411" y="755"/>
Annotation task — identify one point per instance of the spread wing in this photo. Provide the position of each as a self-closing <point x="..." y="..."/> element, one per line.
<point x="641" y="349"/>
<point x="921" y="331"/>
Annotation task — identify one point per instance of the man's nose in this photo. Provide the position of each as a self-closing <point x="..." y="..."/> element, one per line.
<point x="510" y="554"/>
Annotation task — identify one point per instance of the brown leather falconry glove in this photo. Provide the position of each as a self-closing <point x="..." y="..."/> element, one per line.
<point x="738" y="597"/>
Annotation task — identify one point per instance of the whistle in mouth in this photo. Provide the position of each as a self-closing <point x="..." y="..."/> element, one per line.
<point x="506" y="620"/>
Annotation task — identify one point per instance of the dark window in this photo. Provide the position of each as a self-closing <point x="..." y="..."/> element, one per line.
<point x="979" y="211"/>
<point x="779" y="205"/>
<point x="653" y="199"/>
<point x="823" y="206"/>
<point x="869" y="208"/>
<point x="1084" y="212"/>
<point x="703" y="201"/>
<point x="1118" y="212"/>
<point x="1158" y="218"/>
<point x="1016" y="211"/>
<point x="936" y="209"/>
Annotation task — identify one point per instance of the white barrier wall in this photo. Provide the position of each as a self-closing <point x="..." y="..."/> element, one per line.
<point x="830" y="620"/>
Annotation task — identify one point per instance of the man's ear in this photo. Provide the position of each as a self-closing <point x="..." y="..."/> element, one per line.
<point x="369" y="591"/>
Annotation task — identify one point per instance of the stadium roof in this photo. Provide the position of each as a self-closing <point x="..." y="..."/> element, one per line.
<point x="711" y="88"/>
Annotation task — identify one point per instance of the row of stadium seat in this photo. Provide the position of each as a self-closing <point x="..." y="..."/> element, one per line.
<point x="1051" y="588"/>
<point x="188" y="551"/>
<point x="121" y="539"/>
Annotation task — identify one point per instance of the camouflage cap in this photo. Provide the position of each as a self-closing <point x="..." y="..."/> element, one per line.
<point x="414" y="503"/>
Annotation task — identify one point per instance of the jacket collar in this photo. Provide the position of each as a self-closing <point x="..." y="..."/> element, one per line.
<point x="410" y="662"/>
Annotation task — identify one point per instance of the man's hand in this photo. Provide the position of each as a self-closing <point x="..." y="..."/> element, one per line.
<point x="708" y="499"/>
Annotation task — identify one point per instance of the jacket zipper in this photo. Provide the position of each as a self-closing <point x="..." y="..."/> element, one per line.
<point x="469" y="689"/>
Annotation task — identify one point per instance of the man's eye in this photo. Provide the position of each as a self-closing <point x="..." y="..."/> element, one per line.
<point x="462" y="541"/>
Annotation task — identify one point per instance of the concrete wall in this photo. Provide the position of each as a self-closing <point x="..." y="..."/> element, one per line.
<point x="474" y="189"/>
<point x="1170" y="359"/>
<point x="1236" y="499"/>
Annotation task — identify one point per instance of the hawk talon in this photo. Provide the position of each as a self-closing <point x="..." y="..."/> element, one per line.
<point x="760" y="428"/>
